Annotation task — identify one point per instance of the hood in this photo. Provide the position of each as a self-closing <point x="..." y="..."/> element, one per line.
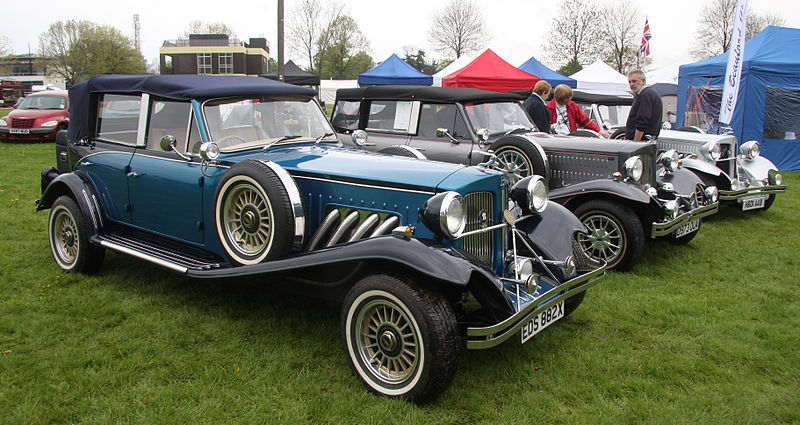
<point x="591" y="144"/>
<point x="363" y="167"/>
<point x="36" y="113"/>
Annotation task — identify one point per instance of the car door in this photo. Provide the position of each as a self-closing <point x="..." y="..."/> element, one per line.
<point x="447" y="116"/>
<point x="388" y="122"/>
<point x="165" y="189"/>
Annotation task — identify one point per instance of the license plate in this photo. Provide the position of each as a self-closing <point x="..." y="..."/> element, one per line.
<point x="20" y="131"/>
<point x="542" y="320"/>
<point x="688" y="228"/>
<point x="753" y="203"/>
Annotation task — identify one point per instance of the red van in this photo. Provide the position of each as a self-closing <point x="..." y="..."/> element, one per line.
<point x="38" y="118"/>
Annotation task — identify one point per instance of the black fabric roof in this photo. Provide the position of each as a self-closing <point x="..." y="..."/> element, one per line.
<point x="292" y="74"/>
<point x="178" y="87"/>
<point x="428" y="93"/>
<point x="601" y="99"/>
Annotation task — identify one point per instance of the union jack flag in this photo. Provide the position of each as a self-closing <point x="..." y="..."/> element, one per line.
<point x="645" y="47"/>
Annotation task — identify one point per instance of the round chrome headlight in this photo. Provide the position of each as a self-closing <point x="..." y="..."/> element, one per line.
<point x="530" y="194"/>
<point x="359" y="137"/>
<point x="775" y="178"/>
<point x="633" y="168"/>
<point x="570" y="265"/>
<point x="750" y="150"/>
<point x="711" y="151"/>
<point x="669" y="159"/>
<point x="445" y="215"/>
<point x="522" y="268"/>
<point x="712" y="193"/>
<point x="483" y="134"/>
<point x="51" y="123"/>
<point x="672" y="208"/>
<point x="209" y="151"/>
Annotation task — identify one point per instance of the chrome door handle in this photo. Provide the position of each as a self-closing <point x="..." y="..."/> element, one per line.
<point x="133" y="174"/>
<point x="86" y="163"/>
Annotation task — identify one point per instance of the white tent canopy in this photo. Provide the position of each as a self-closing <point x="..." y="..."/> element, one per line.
<point x="667" y="74"/>
<point x="601" y="78"/>
<point x="327" y="89"/>
<point x="453" y="67"/>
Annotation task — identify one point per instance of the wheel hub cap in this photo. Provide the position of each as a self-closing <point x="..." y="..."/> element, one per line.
<point x="250" y="220"/>
<point x="389" y="342"/>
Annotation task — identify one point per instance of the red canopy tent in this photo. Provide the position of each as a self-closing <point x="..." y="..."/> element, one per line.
<point x="490" y="72"/>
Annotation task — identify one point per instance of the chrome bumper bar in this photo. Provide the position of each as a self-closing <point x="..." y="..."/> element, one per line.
<point x="735" y="195"/>
<point x="490" y="336"/>
<point x="667" y="227"/>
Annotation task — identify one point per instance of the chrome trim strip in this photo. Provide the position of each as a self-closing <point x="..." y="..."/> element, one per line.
<point x="295" y="199"/>
<point x="396" y="189"/>
<point x="735" y="195"/>
<point x="142" y="256"/>
<point x="490" y="336"/>
<point x="667" y="227"/>
<point x="144" y="109"/>
<point x="485" y="229"/>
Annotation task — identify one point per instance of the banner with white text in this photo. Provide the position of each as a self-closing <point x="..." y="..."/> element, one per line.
<point x="733" y="74"/>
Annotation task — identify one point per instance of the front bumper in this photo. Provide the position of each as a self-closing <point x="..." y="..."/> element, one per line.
<point x="668" y="227"/>
<point x="490" y="336"/>
<point x="39" y="133"/>
<point x="736" y="195"/>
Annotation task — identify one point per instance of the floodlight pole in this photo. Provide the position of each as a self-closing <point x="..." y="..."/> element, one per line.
<point x="280" y="41"/>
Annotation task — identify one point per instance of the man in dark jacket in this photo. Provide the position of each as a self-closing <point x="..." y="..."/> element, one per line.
<point x="537" y="108"/>
<point x="645" y="116"/>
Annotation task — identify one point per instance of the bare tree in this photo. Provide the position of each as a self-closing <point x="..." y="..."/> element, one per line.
<point x="5" y="46"/>
<point x="459" y="28"/>
<point x="715" y="27"/>
<point x="622" y="31"/>
<point x="575" y="36"/>
<point x="200" y="27"/>
<point x="307" y="20"/>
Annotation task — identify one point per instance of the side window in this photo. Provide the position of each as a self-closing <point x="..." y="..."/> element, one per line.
<point x="345" y="115"/>
<point x="118" y="118"/>
<point x="195" y="140"/>
<point x="168" y="118"/>
<point x="389" y="115"/>
<point x="435" y="116"/>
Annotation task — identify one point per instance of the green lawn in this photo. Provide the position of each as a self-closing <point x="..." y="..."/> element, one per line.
<point x="696" y="334"/>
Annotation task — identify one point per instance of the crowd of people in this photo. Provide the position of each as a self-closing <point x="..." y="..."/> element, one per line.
<point x="562" y="115"/>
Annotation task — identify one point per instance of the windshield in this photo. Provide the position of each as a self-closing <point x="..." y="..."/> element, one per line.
<point x="499" y="117"/>
<point x="615" y="115"/>
<point x="43" y="102"/>
<point x="247" y="123"/>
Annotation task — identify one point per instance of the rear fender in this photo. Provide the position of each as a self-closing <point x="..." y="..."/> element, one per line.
<point x="79" y="188"/>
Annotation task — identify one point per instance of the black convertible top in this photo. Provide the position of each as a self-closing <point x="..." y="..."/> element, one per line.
<point x="426" y="93"/>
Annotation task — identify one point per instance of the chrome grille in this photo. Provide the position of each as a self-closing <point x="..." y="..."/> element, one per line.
<point x="680" y="147"/>
<point x="480" y="214"/>
<point x="22" y="123"/>
<point x="648" y="170"/>
<point x="575" y="167"/>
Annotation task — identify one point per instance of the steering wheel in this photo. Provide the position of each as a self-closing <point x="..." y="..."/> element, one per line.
<point x="229" y="137"/>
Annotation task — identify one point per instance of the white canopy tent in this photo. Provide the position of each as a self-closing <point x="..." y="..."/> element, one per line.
<point x="453" y="67"/>
<point x="327" y="89"/>
<point x="601" y="78"/>
<point x="667" y="74"/>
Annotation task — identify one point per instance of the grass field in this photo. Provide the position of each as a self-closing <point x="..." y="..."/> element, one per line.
<point x="698" y="334"/>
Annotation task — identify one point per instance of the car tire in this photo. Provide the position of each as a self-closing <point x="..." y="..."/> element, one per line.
<point x="618" y="134"/>
<point x="400" y="339"/>
<point x="683" y="240"/>
<point x="253" y="214"/>
<point x="69" y="241"/>
<point x="767" y="203"/>
<point x="572" y="303"/>
<point x="616" y="235"/>
<point x="583" y="132"/>
<point x="519" y="159"/>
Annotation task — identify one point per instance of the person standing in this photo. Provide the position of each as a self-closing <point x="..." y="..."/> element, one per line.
<point x="537" y="108"/>
<point x="566" y="116"/>
<point x="644" y="118"/>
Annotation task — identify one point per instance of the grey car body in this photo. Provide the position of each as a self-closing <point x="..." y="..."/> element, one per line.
<point x="620" y="202"/>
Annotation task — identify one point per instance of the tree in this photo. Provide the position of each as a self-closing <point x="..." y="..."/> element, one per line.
<point x="80" y="49"/>
<point x="417" y="60"/>
<point x="715" y="27"/>
<point x="339" y="48"/>
<point x="200" y="27"/>
<point x="622" y="30"/>
<point x="458" y="28"/>
<point x="575" y="36"/>
<point x="306" y="23"/>
<point x="5" y="46"/>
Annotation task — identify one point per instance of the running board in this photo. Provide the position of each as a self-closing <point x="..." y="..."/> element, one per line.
<point x="172" y="259"/>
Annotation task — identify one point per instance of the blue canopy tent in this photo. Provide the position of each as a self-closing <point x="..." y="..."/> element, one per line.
<point x="768" y="105"/>
<point x="533" y="66"/>
<point x="394" y="71"/>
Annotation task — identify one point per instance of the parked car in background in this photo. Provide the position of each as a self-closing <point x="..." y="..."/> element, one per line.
<point x="747" y="179"/>
<point x="37" y="118"/>
<point x="222" y="177"/>
<point x="621" y="191"/>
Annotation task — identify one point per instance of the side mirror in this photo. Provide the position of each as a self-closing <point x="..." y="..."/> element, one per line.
<point x="359" y="138"/>
<point x="483" y="134"/>
<point x="442" y="132"/>
<point x="169" y="143"/>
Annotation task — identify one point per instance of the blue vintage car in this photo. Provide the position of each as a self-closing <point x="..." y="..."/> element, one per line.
<point x="220" y="177"/>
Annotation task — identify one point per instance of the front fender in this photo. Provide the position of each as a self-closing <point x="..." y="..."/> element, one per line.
<point x="683" y="180"/>
<point x="604" y="187"/>
<point x="704" y="167"/>
<point x="78" y="186"/>
<point x="552" y="231"/>
<point x="757" y="168"/>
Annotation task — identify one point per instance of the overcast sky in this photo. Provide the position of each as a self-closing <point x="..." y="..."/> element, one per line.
<point x="517" y="27"/>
